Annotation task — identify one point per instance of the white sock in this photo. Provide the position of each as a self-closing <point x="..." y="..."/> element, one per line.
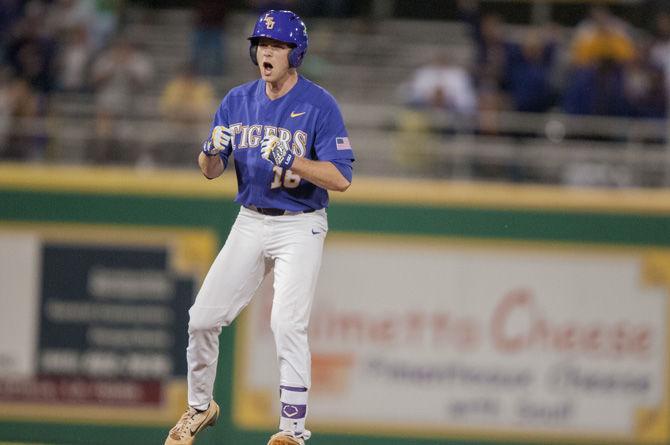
<point x="293" y="408"/>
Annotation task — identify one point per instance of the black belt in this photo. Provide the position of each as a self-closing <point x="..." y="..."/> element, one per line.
<point x="269" y="211"/>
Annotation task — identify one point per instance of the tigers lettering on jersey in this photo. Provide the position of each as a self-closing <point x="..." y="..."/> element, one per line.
<point x="251" y="136"/>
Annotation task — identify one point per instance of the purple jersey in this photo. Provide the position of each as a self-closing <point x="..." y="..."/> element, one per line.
<point x="307" y="118"/>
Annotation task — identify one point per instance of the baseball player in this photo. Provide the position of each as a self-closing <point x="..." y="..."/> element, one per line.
<point x="290" y="147"/>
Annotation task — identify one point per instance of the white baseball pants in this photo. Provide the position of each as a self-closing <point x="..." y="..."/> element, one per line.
<point x="294" y="243"/>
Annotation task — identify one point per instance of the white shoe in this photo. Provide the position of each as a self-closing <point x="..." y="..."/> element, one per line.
<point x="289" y="438"/>
<point x="191" y="423"/>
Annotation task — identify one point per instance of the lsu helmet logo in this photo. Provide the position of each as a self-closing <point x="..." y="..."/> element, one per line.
<point x="269" y="21"/>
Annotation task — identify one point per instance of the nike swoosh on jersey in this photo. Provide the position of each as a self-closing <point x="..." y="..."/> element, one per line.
<point x="294" y="114"/>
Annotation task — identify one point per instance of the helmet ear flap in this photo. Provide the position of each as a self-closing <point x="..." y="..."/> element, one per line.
<point x="253" y="49"/>
<point x="291" y="58"/>
<point x="295" y="57"/>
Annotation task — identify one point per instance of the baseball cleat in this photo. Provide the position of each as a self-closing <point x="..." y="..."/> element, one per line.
<point x="191" y="423"/>
<point x="289" y="438"/>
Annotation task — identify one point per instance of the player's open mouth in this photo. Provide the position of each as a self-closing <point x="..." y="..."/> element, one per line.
<point x="267" y="68"/>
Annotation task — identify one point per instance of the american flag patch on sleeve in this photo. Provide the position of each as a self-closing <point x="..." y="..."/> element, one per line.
<point x="342" y="144"/>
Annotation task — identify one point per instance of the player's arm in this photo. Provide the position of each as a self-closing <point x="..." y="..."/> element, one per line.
<point x="325" y="174"/>
<point x="211" y="166"/>
<point x="321" y="173"/>
<point x="210" y="158"/>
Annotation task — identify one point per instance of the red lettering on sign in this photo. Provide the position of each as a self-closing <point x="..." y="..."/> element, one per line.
<point x="518" y="324"/>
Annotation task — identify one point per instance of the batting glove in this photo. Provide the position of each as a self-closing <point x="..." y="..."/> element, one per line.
<point x="276" y="151"/>
<point x="218" y="142"/>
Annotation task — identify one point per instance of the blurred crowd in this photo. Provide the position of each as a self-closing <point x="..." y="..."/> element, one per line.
<point x="602" y="67"/>
<point x="79" y="46"/>
<point x="61" y="45"/>
<point x="65" y="48"/>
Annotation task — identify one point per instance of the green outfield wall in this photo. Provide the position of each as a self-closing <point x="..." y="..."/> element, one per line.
<point x="375" y="210"/>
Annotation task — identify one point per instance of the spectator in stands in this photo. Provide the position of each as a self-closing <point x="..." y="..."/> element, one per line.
<point x="208" y="47"/>
<point x="31" y="49"/>
<point x="19" y="105"/>
<point x="186" y="104"/>
<point x="442" y="84"/>
<point x="118" y="77"/>
<point x="601" y="48"/>
<point x="486" y="31"/>
<point x="597" y="90"/>
<point x="108" y="14"/>
<point x="490" y="45"/>
<point x="529" y="69"/>
<point x="99" y="18"/>
<point x="601" y="36"/>
<point x="510" y="74"/>
<point x="645" y="88"/>
<point x="118" y="74"/>
<point x="187" y="97"/>
<point x="65" y="15"/>
<point x="437" y="87"/>
<point x="660" y="47"/>
<point x="73" y="59"/>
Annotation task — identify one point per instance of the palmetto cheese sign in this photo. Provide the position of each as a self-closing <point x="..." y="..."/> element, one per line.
<point x="494" y="340"/>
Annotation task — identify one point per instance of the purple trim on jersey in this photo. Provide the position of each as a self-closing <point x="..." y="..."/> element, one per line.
<point x="289" y="411"/>
<point x="307" y="117"/>
<point x="294" y="388"/>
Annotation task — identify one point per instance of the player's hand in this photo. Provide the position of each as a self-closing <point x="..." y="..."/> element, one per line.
<point x="218" y="142"/>
<point x="277" y="151"/>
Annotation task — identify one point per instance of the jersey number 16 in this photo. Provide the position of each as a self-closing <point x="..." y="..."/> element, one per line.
<point x="290" y="181"/>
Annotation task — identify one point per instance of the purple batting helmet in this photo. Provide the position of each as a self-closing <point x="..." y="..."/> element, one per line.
<point x="284" y="26"/>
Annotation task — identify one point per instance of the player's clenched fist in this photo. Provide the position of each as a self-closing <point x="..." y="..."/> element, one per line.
<point x="220" y="137"/>
<point x="277" y="151"/>
<point x="219" y="141"/>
